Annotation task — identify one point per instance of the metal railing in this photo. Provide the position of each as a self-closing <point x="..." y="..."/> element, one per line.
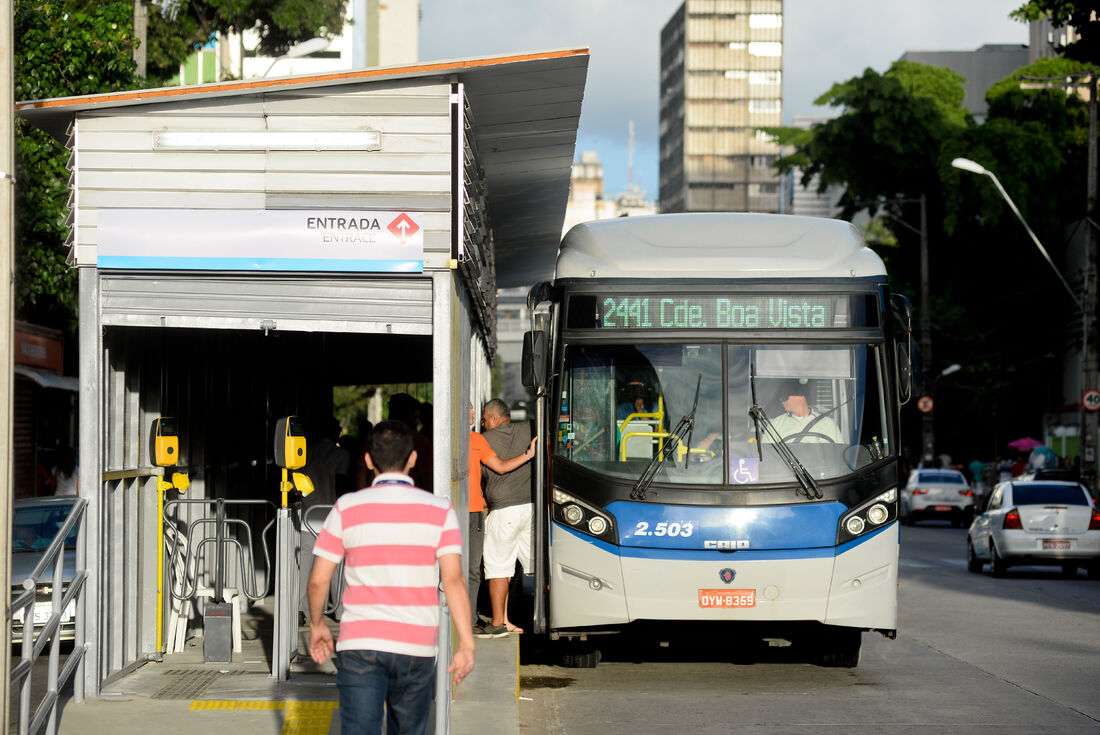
<point x="35" y="640"/>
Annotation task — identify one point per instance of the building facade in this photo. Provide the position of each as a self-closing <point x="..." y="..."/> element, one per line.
<point x="982" y="68"/>
<point x="721" y="81"/>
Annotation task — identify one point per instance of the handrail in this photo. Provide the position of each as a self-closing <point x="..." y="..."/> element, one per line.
<point x="35" y="641"/>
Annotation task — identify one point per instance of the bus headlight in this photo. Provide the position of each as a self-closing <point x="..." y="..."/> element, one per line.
<point x="583" y="517"/>
<point x="573" y="514"/>
<point x="868" y="516"/>
<point x="877" y="514"/>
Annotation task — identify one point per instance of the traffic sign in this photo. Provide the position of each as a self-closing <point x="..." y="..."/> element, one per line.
<point x="925" y="404"/>
<point x="1090" y="399"/>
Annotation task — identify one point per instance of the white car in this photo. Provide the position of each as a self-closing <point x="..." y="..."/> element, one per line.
<point x="1041" y="522"/>
<point x="932" y="493"/>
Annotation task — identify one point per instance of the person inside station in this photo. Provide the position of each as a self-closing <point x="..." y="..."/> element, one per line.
<point x="800" y="422"/>
<point x="636" y="397"/>
<point x="406" y="409"/>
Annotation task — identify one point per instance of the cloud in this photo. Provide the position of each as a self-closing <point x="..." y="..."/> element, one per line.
<point x="825" y="41"/>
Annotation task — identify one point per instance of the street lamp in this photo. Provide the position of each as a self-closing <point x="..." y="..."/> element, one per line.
<point x="1088" y="317"/>
<point x="305" y="48"/>
<point x="965" y="164"/>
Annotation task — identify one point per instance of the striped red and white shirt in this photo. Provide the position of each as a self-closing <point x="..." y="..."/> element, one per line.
<point x="390" y="537"/>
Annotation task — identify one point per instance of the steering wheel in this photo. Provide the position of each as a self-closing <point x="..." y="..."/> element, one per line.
<point x="798" y="438"/>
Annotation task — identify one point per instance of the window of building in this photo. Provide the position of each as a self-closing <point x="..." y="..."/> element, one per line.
<point x="765" y="48"/>
<point x="765" y="20"/>
<point x="757" y="190"/>
<point x="772" y="105"/>
<point x="738" y="45"/>
<point x="764" y="137"/>
<point x="770" y="78"/>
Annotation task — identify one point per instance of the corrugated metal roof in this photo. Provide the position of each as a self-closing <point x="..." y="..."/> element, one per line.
<point x="525" y="111"/>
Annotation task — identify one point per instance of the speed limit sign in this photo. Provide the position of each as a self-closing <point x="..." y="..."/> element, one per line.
<point x="925" y="403"/>
<point x="1090" y="399"/>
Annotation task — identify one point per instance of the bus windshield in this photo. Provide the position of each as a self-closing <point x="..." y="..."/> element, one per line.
<point x="619" y="404"/>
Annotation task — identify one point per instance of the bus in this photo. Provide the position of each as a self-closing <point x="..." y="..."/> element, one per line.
<point x="718" y="401"/>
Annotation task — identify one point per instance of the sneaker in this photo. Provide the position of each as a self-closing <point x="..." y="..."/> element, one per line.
<point x="490" y="631"/>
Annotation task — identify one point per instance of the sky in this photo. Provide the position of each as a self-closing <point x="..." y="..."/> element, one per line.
<point x="825" y="41"/>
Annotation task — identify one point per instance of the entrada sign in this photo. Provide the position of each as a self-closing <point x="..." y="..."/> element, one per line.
<point x="260" y="240"/>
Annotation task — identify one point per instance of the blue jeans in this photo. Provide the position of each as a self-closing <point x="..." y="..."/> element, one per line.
<point x="367" y="679"/>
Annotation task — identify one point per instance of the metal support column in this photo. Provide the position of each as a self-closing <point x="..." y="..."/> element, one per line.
<point x="286" y="597"/>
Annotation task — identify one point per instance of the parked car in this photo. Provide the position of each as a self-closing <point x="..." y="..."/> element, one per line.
<point x="1039" y="522"/>
<point x="937" y="494"/>
<point x="35" y="522"/>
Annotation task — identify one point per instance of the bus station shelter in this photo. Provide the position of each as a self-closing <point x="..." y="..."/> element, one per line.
<point x="245" y="246"/>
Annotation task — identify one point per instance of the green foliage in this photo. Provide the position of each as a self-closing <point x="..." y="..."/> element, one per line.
<point x="1083" y="16"/>
<point x="996" y="308"/>
<point x="61" y="51"/>
<point x="279" y="23"/>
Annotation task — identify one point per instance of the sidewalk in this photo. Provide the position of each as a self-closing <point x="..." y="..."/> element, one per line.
<point x="184" y="696"/>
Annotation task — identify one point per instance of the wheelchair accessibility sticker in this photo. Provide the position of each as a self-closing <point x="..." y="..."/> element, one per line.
<point x="744" y="470"/>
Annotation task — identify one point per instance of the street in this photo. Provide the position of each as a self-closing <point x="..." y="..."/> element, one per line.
<point x="973" y="654"/>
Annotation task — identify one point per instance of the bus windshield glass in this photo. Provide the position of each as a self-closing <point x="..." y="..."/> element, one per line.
<point x="620" y="403"/>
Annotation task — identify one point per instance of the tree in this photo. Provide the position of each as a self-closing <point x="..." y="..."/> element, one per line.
<point x="1083" y="16"/>
<point x="61" y="50"/>
<point x="179" y="27"/>
<point x="996" y="308"/>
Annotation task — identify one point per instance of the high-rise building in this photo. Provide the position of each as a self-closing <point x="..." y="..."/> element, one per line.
<point x="721" y="81"/>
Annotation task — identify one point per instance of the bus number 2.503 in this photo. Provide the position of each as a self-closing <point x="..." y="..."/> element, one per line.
<point x="665" y="529"/>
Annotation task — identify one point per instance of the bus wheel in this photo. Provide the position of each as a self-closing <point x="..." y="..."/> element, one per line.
<point x="841" y="647"/>
<point x="579" y="655"/>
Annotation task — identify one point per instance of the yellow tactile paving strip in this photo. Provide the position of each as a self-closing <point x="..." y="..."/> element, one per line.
<point x="302" y="718"/>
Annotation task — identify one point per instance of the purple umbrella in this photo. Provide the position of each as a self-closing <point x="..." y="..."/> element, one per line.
<point x="1024" y="444"/>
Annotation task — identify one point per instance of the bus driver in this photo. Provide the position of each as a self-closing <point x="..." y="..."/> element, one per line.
<point x="799" y="423"/>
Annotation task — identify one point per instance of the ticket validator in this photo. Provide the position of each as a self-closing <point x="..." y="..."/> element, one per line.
<point x="290" y="454"/>
<point x="166" y="453"/>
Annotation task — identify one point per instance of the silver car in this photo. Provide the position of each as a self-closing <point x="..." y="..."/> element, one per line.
<point x="1039" y="522"/>
<point x="935" y="493"/>
<point x="35" y="522"/>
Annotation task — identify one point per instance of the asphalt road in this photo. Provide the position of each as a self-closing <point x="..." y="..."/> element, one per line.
<point x="973" y="654"/>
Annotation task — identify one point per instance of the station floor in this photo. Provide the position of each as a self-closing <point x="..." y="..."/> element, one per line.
<point x="182" y="695"/>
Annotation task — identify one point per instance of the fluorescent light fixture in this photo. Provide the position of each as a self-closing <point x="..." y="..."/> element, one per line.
<point x="267" y="140"/>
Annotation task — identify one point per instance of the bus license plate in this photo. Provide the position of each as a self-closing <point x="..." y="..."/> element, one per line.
<point x="1062" y="544"/>
<point x="727" y="598"/>
<point x="943" y="508"/>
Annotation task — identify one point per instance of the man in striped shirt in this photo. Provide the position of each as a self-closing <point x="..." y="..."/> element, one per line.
<point x="391" y="537"/>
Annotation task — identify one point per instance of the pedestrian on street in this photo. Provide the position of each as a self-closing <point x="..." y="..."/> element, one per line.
<point x="397" y="543"/>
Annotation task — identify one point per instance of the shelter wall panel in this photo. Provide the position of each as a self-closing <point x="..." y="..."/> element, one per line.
<point x="418" y="201"/>
<point x="171" y="161"/>
<point x="125" y="199"/>
<point x="362" y="181"/>
<point x="364" y="104"/>
<point x="229" y="181"/>
<point x="346" y="162"/>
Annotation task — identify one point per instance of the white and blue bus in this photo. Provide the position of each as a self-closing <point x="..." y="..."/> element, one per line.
<point x="719" y="401"/>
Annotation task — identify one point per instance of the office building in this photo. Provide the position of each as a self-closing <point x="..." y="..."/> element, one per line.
<point x="721" y="81"/>
<point x="982" y="68"/>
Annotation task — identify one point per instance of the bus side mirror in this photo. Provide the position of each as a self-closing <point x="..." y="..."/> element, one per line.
<point x="905" y="374"/>
<point x="534" y="360"/>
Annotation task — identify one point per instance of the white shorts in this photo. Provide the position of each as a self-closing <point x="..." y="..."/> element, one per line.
<point x="507" y="538"/>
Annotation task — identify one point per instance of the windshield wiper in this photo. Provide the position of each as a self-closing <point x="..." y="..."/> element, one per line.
<point x="685" y="426"/>
<point x="805" y="479"/>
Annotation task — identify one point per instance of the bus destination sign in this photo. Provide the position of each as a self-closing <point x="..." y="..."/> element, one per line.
<point x="711" y="311"/>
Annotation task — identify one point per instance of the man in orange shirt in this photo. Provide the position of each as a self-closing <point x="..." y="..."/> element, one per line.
<point x="482" y="454"/>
